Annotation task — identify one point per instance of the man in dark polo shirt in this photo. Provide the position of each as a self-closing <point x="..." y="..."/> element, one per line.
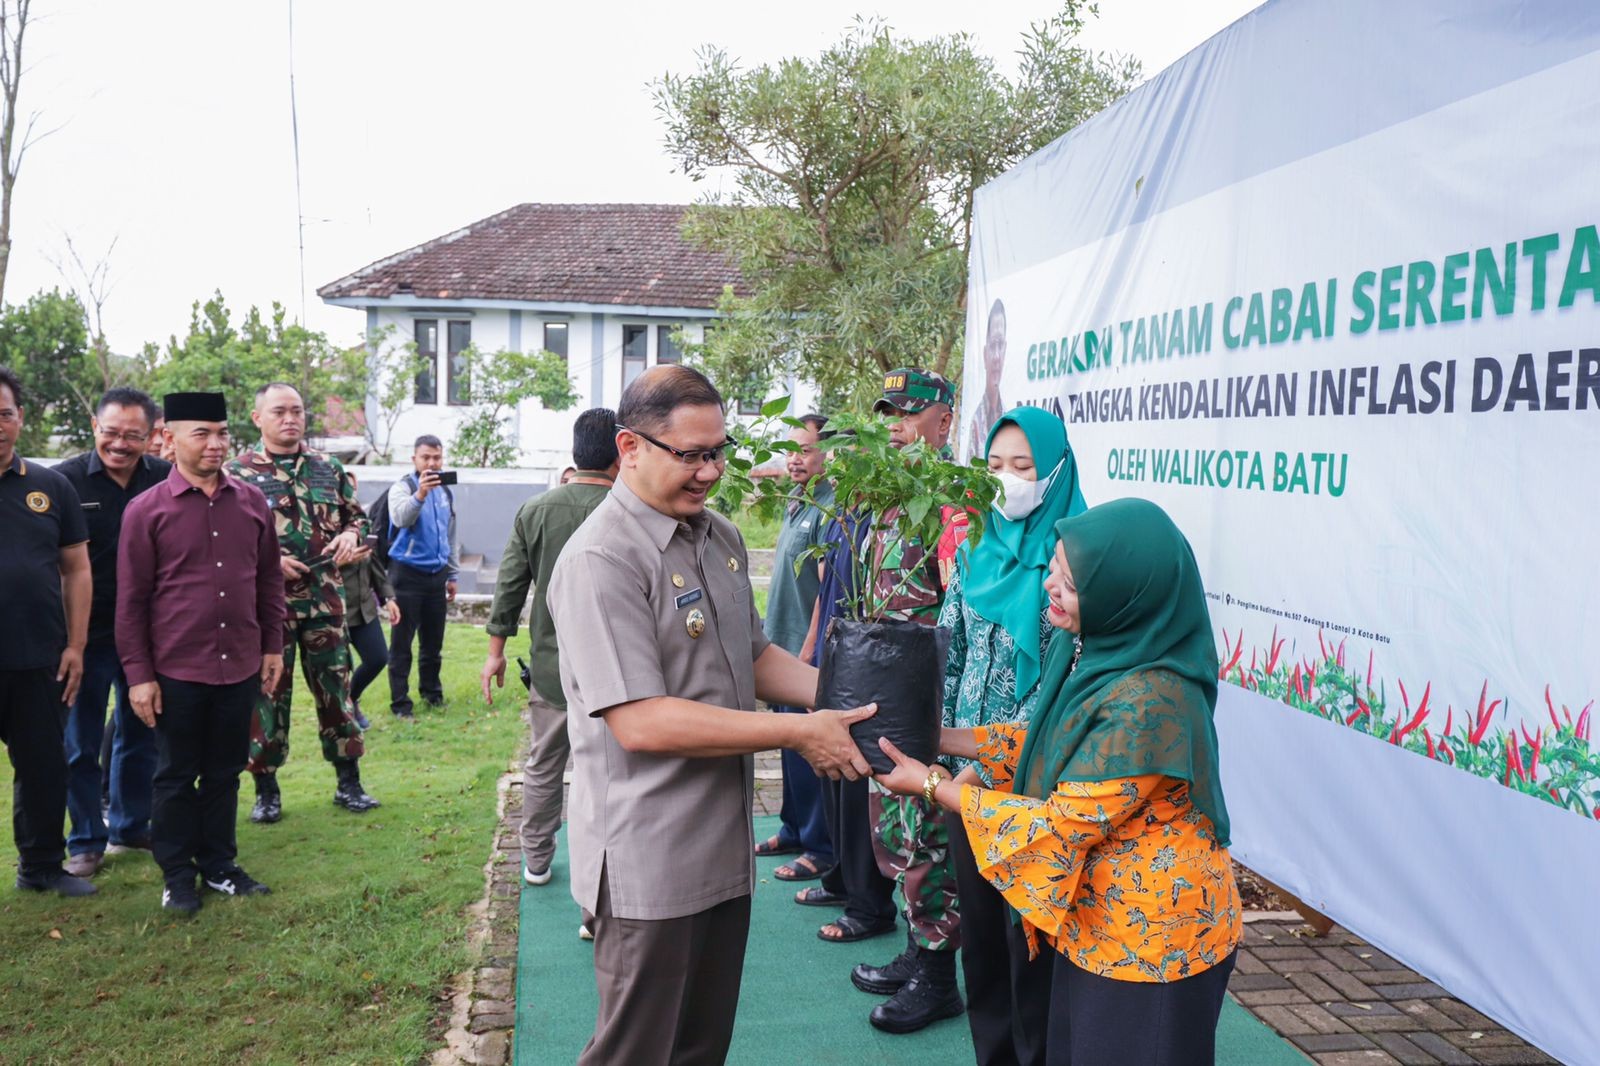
<point x="107" y="477"/>
<point x="200" y="550"/>
<point x="44" y="570"/>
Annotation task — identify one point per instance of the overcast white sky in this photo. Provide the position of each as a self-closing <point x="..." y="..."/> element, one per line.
<point x="415" y="118"/>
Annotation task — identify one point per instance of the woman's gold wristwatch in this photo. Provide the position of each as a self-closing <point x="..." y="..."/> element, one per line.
<point x="935" y="776"/>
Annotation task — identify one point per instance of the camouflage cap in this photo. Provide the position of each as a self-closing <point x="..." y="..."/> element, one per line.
<point x="911" y="389"/>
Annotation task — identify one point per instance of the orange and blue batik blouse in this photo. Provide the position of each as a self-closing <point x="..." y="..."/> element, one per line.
<point x="1124" y="877"/>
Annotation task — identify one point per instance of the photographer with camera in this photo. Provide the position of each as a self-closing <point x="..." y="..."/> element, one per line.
<point x="423" y="562"/>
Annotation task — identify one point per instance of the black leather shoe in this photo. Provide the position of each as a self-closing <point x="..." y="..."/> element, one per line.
<point x="924" y="999"/>
<point x="889" y="978"/>
<point x="58" y="881"/>
<point x="268" y="808"/>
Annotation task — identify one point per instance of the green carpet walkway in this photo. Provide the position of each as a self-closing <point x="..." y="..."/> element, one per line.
<point x="797" y="1004"/>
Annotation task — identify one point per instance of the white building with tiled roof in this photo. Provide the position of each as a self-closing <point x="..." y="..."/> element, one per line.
<point x="603" y="285"/>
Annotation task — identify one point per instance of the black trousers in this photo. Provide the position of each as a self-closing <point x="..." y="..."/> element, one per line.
<point x="422" y="610"/>
<point x="855" y="872"/>
<point x="32" y="726"/>
<point x="1008" y="997"/>
<point x="366" y="640"/>
<point x="202" y="744"/>
<point x="1097" y="1021"/>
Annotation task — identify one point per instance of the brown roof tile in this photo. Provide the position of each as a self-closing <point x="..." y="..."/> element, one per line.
<point x="555" y="253"/>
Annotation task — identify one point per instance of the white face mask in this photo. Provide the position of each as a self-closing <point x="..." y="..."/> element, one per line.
<point x="1021" y="497"/>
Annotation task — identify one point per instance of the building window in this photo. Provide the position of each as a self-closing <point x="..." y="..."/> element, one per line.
<point x="635" y="352"/>
<point x="427" y="339"/>
<point x="460" y="339"/>
<point x="667" y="350"/>
<point x="555" y="338"/>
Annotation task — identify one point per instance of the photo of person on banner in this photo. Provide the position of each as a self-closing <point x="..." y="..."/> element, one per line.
<point x="990" y="406"/>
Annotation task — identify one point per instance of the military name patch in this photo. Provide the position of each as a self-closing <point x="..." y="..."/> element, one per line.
<point x="37" y="502"/>
<point x="692" y="596"/>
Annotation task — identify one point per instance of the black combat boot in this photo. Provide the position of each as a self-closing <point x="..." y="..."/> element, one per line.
<point x="269" y="803"/>
<point x="929" y="995"/>
<point x="889" y="978"/>
<point x="350" y="795"/>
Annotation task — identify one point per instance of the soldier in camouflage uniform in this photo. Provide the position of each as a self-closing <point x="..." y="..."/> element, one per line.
<point x="320" y="527"/>
<point x="909" y="838"/>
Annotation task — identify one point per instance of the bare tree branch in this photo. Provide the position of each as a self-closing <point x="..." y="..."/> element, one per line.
<point x="13" y="28"/>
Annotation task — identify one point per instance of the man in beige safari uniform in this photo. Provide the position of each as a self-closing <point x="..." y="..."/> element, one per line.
<point x="662" y="661"/>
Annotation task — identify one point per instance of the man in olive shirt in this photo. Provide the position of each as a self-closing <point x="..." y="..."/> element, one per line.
<point x="662" y="660"/>
<point x="542" y="528"/>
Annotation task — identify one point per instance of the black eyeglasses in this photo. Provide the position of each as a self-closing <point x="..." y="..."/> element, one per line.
<point x="130" y="437"/>
<point x="696" y="458"/>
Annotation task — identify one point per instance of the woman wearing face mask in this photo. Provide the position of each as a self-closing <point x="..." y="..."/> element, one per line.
<point x="995" y="610"/>
<point x="1107" y="831"/>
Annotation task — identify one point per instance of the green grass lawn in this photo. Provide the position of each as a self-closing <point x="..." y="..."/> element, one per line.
<point x="343" y="963"/>
<point x="757" y="531"/>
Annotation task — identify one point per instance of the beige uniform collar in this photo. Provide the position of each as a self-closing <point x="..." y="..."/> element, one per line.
<point x="657" y="526"/>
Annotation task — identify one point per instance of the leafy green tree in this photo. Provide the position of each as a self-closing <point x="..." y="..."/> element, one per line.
<point x="896" y="491"/>
<point x="45" y="342"/>
<point x="500" y="382"/>
<point x="391" y="370"/>
<point x="852" y="183"/>
<point x="217" y="355"/>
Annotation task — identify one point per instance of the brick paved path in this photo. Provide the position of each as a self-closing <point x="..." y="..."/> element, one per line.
<point x="1336" y="998"/>
<point x="1344" y="1003"/>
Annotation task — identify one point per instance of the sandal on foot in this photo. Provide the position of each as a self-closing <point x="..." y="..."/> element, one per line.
<point x="805" y="868"/>
<point x="775" y="845"/>
<point x="852" y="928"/>
<point x="817" y="896"/>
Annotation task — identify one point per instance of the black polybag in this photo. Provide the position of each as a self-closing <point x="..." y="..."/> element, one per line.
<point x="900" y="667"/>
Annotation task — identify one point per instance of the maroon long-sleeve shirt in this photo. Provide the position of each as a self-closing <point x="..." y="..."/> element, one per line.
<point x="199" y="585"/>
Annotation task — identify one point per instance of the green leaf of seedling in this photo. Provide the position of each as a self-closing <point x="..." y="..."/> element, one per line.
<point x="775" y="406"/>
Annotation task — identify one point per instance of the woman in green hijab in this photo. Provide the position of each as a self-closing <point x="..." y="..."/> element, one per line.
<point x="1106" y="829"/>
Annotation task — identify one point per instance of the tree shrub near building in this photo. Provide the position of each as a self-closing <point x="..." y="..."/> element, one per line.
<point x="500" y="381"/>
<point x="218" y="356"/>
<point x="852" y="183"/>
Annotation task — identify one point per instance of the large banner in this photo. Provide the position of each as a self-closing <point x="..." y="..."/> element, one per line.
<point x="1328" y="290"/>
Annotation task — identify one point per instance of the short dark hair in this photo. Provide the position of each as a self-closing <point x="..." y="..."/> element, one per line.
<point x="815" y="421"/>
<point x="9" y="379"/>
<point x="428" y="440"/>
<point x="122" y="396"/>
<point x="594" y="439"/>
<point x="269" y="386"/>
<point x="648" y="404"/>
